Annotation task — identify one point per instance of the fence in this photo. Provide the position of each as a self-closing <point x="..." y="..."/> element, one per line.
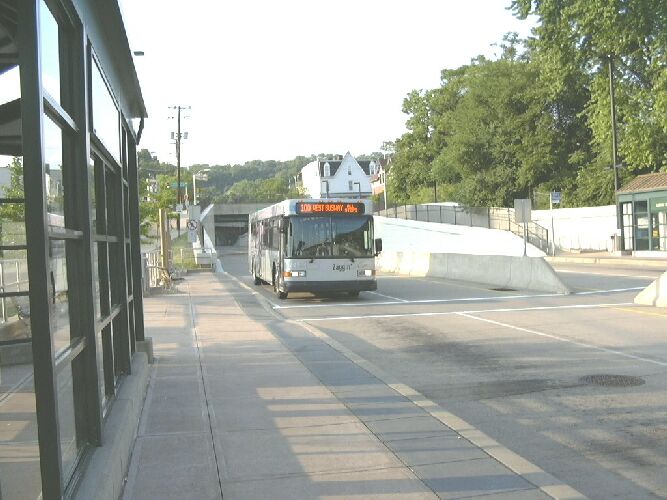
<point x="491" y="218"/>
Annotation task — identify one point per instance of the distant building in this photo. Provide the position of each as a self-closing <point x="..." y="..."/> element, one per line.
<point x="379" y="180"/>
<point x="344" y="177"/>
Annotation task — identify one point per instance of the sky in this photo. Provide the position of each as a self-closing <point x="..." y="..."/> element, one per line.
<point x="271" y="80"/>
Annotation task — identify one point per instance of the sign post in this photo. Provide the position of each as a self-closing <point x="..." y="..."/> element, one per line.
<point x="554" y="197"/>
<point x="523" y="215"/>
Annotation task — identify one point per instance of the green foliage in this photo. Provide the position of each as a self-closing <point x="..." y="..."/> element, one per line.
<point x="539" y="117"/>
<point x="14" y="212"/>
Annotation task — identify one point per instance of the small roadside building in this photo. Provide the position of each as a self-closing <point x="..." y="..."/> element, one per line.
<point x="642" y="203"/>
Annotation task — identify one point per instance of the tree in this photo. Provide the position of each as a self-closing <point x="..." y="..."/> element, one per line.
<point x="577" y="39"/>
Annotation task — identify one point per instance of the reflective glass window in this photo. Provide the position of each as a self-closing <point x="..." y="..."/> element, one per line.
<point x="49" y="49"/>
<point x="60" y="322"/>
<point x="69" y="446"/>
<point x="19" y="451"/>
<point x="105" y="114"/>
<point x="53" y="173"/>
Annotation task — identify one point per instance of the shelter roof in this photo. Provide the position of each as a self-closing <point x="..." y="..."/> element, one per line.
<point x="647" y="182"/>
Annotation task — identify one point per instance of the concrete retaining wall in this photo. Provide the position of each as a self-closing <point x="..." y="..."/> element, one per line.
<point x="655" y="294"/>
<point x="502" y="271"/>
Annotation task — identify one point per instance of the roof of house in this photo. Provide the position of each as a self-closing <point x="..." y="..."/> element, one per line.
<point x="646" y="182"/>
<point x="334" y="165"/>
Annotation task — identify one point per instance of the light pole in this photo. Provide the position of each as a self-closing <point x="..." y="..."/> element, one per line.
<point x="359" y="190"/>
<point x="178" y="137"/>
<point x="614" y="148"/>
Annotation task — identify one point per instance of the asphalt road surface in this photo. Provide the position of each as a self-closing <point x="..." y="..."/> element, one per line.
<point x="576" y="384"/>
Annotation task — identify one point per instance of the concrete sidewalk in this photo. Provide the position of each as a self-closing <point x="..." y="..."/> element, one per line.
<point x="246" y="404"/>
<point x="608" y="259"/>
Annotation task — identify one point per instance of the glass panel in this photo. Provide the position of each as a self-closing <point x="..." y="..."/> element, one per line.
<point x="60" y="323"/>
<point x="49" y="50"/>
<point x="96" y="281"/>
<point x="102" y="287"/>
<point x="105" y="114"/>
<point x="352" y="237"/>
<point x="108" y="359"/>
<point x="662" y="230"/>
<point x="67" y="421"/>
<point x="92" y="194"/>
<point x="100" y="198"/>
<point x="311" y="237"/>
<point x="655" y="231"/>
<point x="53" y="173"/>
<point x="331" y="236"/>
<point x="15" y="310"/>
<point x="641" y="226"/>
<point x="10" y="85"/>
<point x="19" y="451"/>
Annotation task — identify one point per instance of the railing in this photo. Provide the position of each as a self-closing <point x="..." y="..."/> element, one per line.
<point x="491" y="218"/>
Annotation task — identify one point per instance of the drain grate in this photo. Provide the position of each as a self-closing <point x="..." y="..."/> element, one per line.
<point x="501" y="289"/>
<point x="612" y="380"/>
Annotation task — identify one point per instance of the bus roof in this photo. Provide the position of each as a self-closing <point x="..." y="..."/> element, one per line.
<point x="289" y="207"/>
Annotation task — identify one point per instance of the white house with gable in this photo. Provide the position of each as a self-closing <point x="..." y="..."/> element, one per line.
<point x="344" y="177"/>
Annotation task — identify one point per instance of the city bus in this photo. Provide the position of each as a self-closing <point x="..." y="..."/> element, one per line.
<point x="314" y="245"/>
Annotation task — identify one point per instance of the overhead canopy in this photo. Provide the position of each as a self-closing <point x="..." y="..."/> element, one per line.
<point x="10" y="128"/>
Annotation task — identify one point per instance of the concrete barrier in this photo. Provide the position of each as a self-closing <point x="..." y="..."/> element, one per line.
<point x="655" y="294"/>
<point x="502" y="271"/>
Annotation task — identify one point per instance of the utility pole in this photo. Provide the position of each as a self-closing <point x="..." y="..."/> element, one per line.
<point x="178" y="138"/>
<point x="614" y="149"/>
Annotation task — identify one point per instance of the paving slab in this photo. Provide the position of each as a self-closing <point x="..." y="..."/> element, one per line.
<point x="258" y="407"/>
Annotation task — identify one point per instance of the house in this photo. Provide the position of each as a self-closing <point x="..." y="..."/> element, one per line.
<point x="379" y="180"/>
<point x="343" y="177"/>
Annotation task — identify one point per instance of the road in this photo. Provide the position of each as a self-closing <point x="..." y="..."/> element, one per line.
<point x="520" y="366"/>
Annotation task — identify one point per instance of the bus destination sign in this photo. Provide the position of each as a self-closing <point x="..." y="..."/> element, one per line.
<point x="306" y="207"/>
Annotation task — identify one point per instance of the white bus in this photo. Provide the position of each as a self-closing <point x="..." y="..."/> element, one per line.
<point x="312" y="245"/>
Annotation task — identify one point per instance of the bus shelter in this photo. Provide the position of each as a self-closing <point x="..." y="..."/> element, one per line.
<point x="71" y="313"/>
<point x="642" y="204"/>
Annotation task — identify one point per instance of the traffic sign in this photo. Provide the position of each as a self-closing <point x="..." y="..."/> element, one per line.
<point x="555" y="196"/>
<point x="193" y="224"/>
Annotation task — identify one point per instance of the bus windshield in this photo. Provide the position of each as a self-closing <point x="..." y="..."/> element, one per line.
<point x="344" y="237"/>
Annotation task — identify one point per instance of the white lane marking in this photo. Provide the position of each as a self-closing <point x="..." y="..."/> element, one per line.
<point x="424" y="301"/>
<point x="614" y="290"/>
<point x="562" y="339"/>
<point x="611" y="275"/>
<point x="444" y="301"/>
<point x="388" y="297"/>
<point x="449" y="313"/>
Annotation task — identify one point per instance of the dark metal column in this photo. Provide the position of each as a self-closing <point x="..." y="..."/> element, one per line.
<point x="83" y="287"/>
<point x="32" y="108"/>
<point x="135" y="239"/>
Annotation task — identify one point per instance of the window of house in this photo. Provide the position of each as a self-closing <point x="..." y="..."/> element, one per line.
<point x="349" y="185"/>
<point x="327" y="170"/>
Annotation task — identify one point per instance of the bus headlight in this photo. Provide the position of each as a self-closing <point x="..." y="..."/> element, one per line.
<point x="366" y="272"/>
<point x="294" y="274"/>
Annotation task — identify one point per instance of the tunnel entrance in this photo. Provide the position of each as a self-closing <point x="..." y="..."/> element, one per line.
<point x="229" y="228"/>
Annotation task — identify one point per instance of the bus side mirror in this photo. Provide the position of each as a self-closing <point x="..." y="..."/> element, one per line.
<point x="378" y="246"/>
<point x="282" y="226"/>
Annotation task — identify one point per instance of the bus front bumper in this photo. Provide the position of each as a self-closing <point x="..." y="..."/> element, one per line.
<point x="330" y="286"/>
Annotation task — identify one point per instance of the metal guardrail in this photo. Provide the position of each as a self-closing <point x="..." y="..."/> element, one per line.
<point x="488" y="217"/>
